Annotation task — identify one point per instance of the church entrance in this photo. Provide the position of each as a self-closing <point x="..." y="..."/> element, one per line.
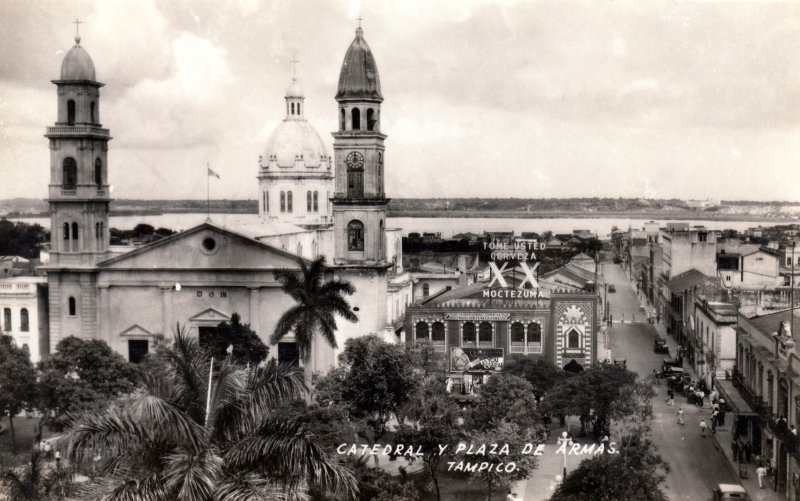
<point x="573" y="366"/>
<point x="288" y="353"/>
<point x="137" y="350"/>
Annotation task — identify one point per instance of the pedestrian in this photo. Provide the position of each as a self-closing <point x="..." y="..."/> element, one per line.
<point x="703" y="427"/>
<point x="735" y="448"/>
<point x="680" y="416"/>
<point x="761" y="472"/>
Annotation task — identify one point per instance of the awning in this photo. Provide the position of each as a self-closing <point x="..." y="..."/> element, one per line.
<point x="733" y="397"/>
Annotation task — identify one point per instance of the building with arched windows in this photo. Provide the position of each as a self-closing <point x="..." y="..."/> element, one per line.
<point x="556" y="322"/>
<point x="201" y="276"/>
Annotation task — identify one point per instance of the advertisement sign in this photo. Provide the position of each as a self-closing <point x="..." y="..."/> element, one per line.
<point x="476" y="359"/>
<point x="477" y="316"/>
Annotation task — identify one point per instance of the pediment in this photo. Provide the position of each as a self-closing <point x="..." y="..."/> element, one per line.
<point x="204" y="247"/>
<point x="136" y="330"/>
<point x="211" y="315"/>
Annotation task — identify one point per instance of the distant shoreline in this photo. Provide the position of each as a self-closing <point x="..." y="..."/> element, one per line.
<point x="477" y="214"/>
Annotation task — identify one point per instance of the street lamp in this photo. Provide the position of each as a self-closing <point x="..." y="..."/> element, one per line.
<point x="568" y="441"/>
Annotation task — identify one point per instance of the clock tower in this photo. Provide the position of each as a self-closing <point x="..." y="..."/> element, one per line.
<point x="359" y="202"/>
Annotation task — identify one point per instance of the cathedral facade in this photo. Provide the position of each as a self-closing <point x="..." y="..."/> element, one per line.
<point x="201" y="276"/>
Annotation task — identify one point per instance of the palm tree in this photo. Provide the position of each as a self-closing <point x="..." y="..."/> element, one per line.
<point x="165" y="445"/>
<point x="318" y="303"/>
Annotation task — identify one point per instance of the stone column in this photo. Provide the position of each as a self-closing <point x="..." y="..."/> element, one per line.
<point x="103" y="313"/>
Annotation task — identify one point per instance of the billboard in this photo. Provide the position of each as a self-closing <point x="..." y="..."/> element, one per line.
<point x="476" y="359"/>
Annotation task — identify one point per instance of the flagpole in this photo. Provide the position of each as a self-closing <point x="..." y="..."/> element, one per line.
<point x="208" y="398"/>
<point x="208" y="191"/>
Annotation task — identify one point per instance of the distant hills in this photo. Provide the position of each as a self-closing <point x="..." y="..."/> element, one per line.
<point x="471" y="207"/>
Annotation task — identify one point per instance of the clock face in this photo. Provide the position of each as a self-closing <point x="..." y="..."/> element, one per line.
<point x="354" y="160"/>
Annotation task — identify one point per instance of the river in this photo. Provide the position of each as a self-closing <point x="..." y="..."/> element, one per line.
<point x="448" y="226"/>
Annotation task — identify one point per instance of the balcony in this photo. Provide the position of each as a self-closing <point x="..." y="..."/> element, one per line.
<point x="76" y="130"/>
<point x="81" y="191"/>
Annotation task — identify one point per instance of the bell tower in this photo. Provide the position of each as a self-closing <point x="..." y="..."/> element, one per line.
<point x="359" y="201"/>
<point x="78" y="195"/>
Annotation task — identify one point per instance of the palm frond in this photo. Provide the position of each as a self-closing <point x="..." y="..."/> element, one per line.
<point x="286" y="449"/>
<point x="149" y="488"/>
<point x="274" y="383"/>
<point x="337" y="287"/>
<point x="248" y="486"/>
<point x="192" y="476"/>
<point x="159" y="415"/>
<point x="286" y="324"/>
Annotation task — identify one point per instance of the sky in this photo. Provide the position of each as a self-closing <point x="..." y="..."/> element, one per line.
<point x="483" y="98"/>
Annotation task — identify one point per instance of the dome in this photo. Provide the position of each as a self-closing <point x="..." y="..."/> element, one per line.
<point x="294" y="89"/>
<point x="359" y="76"/>
<point x="292" y="138"/>
<point x="77" y="64"/>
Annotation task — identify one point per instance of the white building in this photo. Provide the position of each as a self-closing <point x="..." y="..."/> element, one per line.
<point x="24" y="309"/>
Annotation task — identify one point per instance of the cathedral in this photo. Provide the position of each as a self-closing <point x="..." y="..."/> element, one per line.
<point x="310" y="205"/>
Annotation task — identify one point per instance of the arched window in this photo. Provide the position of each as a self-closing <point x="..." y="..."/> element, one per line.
<point x="355" y="236"/>
<point x="438" y="333"/>
<point x="292" y="108"/>
<point x="534" y="333"/>
<point x="356" y="119"/>
<point x="75" y="236"/>
<point x="573" y="339"/>
<point x="468" y="333"/>
<point x="283" y="201"/>
<point x="7" y="320"/>
<point x="316" y="201"/>
<point x="23" y="320"/>
<point x="421" y="330"/>
<point x="355" y="182"/>
<point x="98" y="173"/>
<point x="71" y="306"/>
<point x="70" y="112"/>
<point x="69" y="173"/>
<point x="92" y="116"/>
<point x="485" y="333"/>
<point x="342" y="122"/>
<point x="517" y="333"/>
<point x="371" y="119"/>
<point x="308" y="201"/>
<point x="66" y="236"/>
<point x="289" y="202"/>
<point x="298" y="108"/>
<point x="97" y="231"/>
<point x="426" y="290"/>
<point x="264" y="201"/>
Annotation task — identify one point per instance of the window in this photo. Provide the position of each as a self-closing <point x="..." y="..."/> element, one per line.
<point x="355" y="236"/>
<point x="517" y="333"/>
<point x="288" y="354"/>
<point x="573" y="339"/>
<point x="485" y="334"/>
<point x="438" y="333"/>
<point x="316" y="201"/>
<point x="298" y="108"/>
<point x="421" y="331"/>
<point x="70" y="112"/>
<point x="98" y="173"/>
<point x="371" y="119"/>
<point x="355" y="183"/>
<point x="426" y="290"/>
<point x="71" y="306"/>
<point x="137" y="350"/>
<point x="534" y="333"/>
<point x="7" y="319"/>
<point x="69" y="178"/>
<point x="283" y="201"/>
<point x="341" y="119"/>
<point x="97" y="231"/>
<point x="308" y="201"/>
<point x="66" y="236"/>
<point x="788" y="261"/>
<point x="92" y="115"/>
<point x="292" y="108"/>
<point x="289" y="202"/>
<point x="264" y="201"/>
<point x="468" y="333"/>
<point x="356" y="119"/>
<point x="75" y="237"/>
<point x="702" y="237"/>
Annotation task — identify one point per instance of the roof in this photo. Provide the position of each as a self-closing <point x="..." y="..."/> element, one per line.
<point x="582" y="257"/>
<point x="359" y="78"/>
<point x="688" y="280"/>
<point x="770" y="322"/>
<point x="77" y="65"/>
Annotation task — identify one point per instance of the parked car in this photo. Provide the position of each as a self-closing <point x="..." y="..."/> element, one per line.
<point x="611" y="288"/>
<point x="730" y="491"/>
<point x="670" y="362"/>
<point x="660" y="346"/>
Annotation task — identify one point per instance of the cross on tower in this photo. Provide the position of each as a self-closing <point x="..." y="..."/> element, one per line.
<point x="294" y="62"/>
<point x="77" y="22"/>
<point x="359" y="21"/>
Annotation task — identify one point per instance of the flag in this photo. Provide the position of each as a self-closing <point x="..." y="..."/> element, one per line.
<point x="212" y="173"/>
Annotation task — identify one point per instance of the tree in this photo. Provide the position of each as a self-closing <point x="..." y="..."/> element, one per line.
<point x="21" y="239"/>
<point x="170" y="442"/>
<point x="247" y="346"/>
<point x="496" y="476"/>
<point x="635" y="472"/>
<point x="379" y="379"/>
<point x="81" y="375"/>
<point x="541" y="374"/>
<point x="37" y="481"/>
<point x="17" y="382"/>
<point x="318" y="304"/>
<point x="505" y="397"/>
<point x="377" y="485"/>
